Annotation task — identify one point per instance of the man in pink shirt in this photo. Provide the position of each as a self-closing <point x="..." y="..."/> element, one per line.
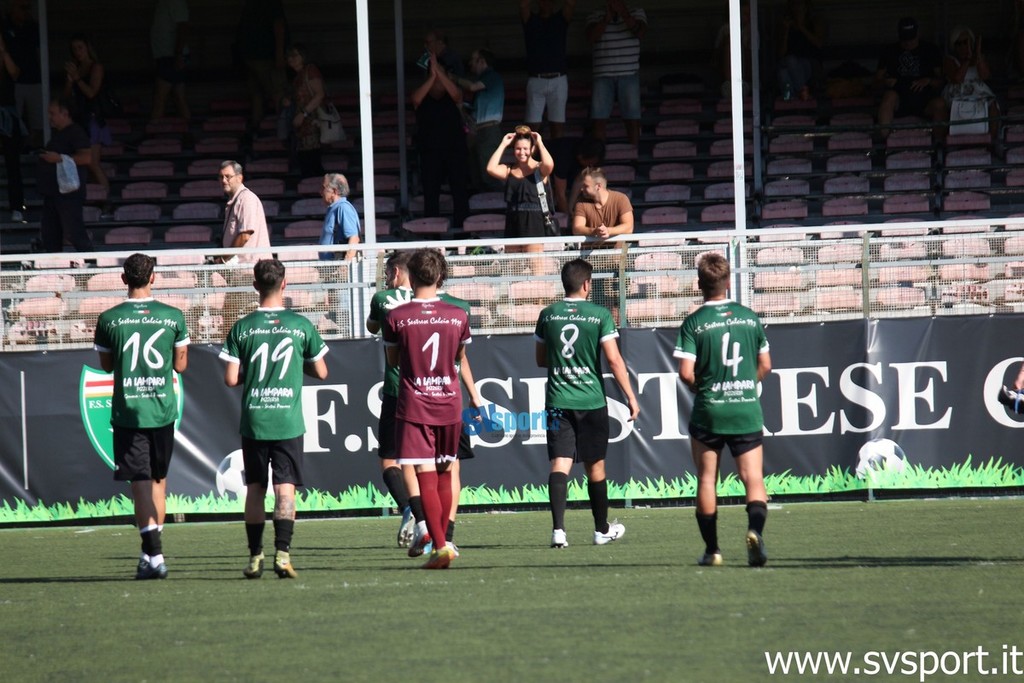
<point x="245" y="224"/>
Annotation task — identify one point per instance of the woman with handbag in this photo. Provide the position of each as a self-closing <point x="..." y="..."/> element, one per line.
<point x="966" y="92"/>
<point x="83" y="87"/>
<point x="307" y="98"/>
<point x="527" y="195"/>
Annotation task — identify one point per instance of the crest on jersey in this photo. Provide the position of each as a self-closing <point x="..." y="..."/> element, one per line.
<point x="95" y="395"/>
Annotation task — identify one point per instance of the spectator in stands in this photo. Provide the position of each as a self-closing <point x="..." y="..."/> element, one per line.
<point x="488" y="108"/>
<point x="440" y="132"/>
<point x="83" y="87"/>
<point x="546" y="32"/>
<point x="615" y="33"/>
<point x="572" y="155"/>
<point x="600" y="214"/>
<point x="245" y="225"/>
<point x="801" y="38"/>
<point x="168" y="38"/>
<point x="21" y="37"/>
<point x="307" y="96"/>
<point x="12" y="134"/>
<point x="911" y="74"/>
<point x="525" y="215"/>
<point x="62" y="212"/>
<point x="966" y="71"/>
<point x="342" y="221"/>
<point x="262" y="38"/>
<point x="723" y="53"/>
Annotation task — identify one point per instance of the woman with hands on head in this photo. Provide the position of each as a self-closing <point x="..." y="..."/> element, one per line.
<point x="524" y="216"/>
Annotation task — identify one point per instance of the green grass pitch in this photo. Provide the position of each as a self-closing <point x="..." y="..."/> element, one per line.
<point x="890" y="576"/>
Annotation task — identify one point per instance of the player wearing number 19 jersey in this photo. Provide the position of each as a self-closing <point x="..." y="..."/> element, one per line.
<point x="267" y="352"/>
<point x="570" y="336"/>
<point x="143" y="342"/>
<point x="723" y="354"/>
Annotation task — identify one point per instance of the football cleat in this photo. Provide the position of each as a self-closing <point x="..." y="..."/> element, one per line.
<point x="454" y="550"/>
<point x="756" y="556"/>
<point x="439" y="559"/>
<point x="407" y="528"/>
<point x="1012" y="399"/>
<point x="710" y="560"/>
<point x="558" y="539"/>
<point x="420" y="541"/>
<point x="254" y="569"/>
<point x="614" y="533"/>
<point x="151" y="572"/>
<point x="283" y="566"/>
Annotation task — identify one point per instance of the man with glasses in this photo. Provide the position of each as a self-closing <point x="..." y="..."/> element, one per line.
<point x="245" y="225"/>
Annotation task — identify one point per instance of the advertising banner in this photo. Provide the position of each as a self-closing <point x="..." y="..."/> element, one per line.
<point x="907" y="403"/>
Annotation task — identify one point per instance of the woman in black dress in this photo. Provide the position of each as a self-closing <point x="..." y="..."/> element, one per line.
<point x="524" y="216"/>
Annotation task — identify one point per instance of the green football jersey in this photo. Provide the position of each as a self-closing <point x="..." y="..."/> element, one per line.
<point x="724" y="339"/>
<point x="141" y="335"/>
<point x="573" y="331"/>
<point x="380" y="304"/>
<point x="461" y="303"/>
<point x="272" y="344"/>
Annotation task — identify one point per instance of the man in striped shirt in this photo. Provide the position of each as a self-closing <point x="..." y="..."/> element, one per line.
<point x="615" y="33"/>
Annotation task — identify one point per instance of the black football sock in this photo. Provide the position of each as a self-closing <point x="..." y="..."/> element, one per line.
<point x="757" y="515"/>
<point x="416" y="504"/>
<point x="708" y="525"/>
<point x="255" y="534"/>
<point x="395" y="482"/>
<point x="283" y="529"/>
<point x="151" y="541"/>
<point x="558" y="487"/>
<point x="450" y="534"/>
<point x="598" y="492"/>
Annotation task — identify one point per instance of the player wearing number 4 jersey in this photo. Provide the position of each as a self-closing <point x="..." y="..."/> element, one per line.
<point x="571" y="336"/>
<point x="143" y="342"/>
<point x="424" y="338"/>
<point x="723" y="355"/>
<point x="267" y="352"/>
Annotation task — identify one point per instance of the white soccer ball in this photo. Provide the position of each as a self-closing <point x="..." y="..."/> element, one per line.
<point x="878" y="455"/>
<point x="231" y="475"/>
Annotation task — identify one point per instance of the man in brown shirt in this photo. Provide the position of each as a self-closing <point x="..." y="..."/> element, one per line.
<point x="600" y="214"/>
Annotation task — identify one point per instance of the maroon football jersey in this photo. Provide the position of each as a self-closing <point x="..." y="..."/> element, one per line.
<point x="428" y="334"/>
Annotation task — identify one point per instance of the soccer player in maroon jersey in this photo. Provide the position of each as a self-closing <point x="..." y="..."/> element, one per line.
<point x="423" y="338"/>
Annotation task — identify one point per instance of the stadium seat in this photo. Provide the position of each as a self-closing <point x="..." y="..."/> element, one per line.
<point x="903" y="251"/>
<point x="792" y="121"/>
<point x="137" y="212"/>
<point x="133" y="236"/>
<point x="966" y="247"/>
<point x="680" y="106"/>
<point x="963" y="272"/>
<point x="218" y="144"/>
<point x="94" y="192"/>
<point x="971" y="157"/>
<point x="904" y="138"/>
<point x="674" y="149"/>
<point x="723" y="148"/>
<point x="839" y="277"/>
<point x="676" y="128"/>
<point x="383" y="182"/>
<point x="844" y="206"/>
<point x="50" y="282"/>
<point x="487" y="201"/>
<point x="776" y="303"/>
<point x="667" y="193"/>
<point x="787" y="187"/>
<point x="311" y="206"/>
<point x="658" y="260"/>
<point x="780" y="280"/>
<point x="167" y="126"/>
<point x="718" y="213"/>
<point x="201" y="189"/>
<point x="724" y="169"/>
<point x="527" y="291"/>
<point x="197" y="211"/>
<point x="148" y="189"/>
<point x="664" y="215"/>
<point x="900" y="297"/>
<point x="790" y="144"/>
<point x="193" y="259"/>
<point x="206" y="168"/>
<point x="485" y="223"/>
<point x="381" y="204"/>
<point x="473" y="291"/>
<point x="966" y="201"/>
<point x="305" y="230"/>
<point x="521" y="314"/>
<point x="225" y="124"/>
<point x="183" y="279"/>
<point x="159" y="147"/>
<point x="790" y="208"/>
<point x="619" y="173"/>
<point x="93" y="306"/>
<point x="266" y="187"/>
<point x="653" y="311"/>
<point x="847" y="184"/>
<point x="618" y="151"/>
<point x="840" y="253"/>
<point x="906" y="204"/>
<point x="784" y="166"/>
<point x="907" y="182"/>
<point x="848" y="163"/>
<point x="907" y="160"/>
<point x="778" y="256"/>
<point x="838" y="299"/>
<point x="427" y="226"/>
<point x="155" y="168"/>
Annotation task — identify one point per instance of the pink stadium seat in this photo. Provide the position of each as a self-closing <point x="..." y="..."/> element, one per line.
<point x="849" y="141"/>
<point x="137" y="212"/>
<point x="847" y="184"/>
<point x="381" y="204"/>
<point x="794" y="121"/>
<point x="224" y="124"/>
<point x="149" y="189"/>
<point x="656" y="286"/>
<point x="175" y="280"/>
<point x="891" y="275"/>
<point x="840" y="253"/>
<point x="900" y="297"/>
<point x="674" y="148"/>
<point x="268" y="144"/>
<point x="43" y="307"/>
<point x="957" y="272"/>
<point x="532" y="291"/>
<point x="50" y="282"/>
<point x="475" y="291"/>
<point x="304" y="299"/>
<point x="664" y="215"/>
<point x="128" y="236"/>
<point x="266" y="187"/>
<point x="788" y="187"/>
<point x="675" y="107"/>
<point x="789" y="208"/>
<point x="904" y="138"/>
<point x="383" y="182"/>
<point x="777" y="256"/>
<point x="311" y="206"/>
<point x="723" y="148"/>
<point x="303" y="230"/>
<point x="271" y="166"/>
<point x="93" y="306"/>
<point x="667" y="193"/>
<point x="658" y="260"/>
<point x="654" y="310"/>
<point x="159" y="147"/>
<point x="618" y="151"/>
<point x="848" y="277"/>
<point x="776" y="303"/>
<point x="786" y="166"/>
<point x="427" y="226"/>
<point x="204" y="168"/>
<point x="311" y="187"/>
<point x="620" y="173"/>
<point x="971" y="157"/>
<point x="779" y="280"/>
<point x="848" y="163"/>
<point x="188" y="233"/>
<point x="105" y="282"/>
<point x="907" y="160"/>
<point x="298" y="256"/>
<point x="94" y="192"/>
<point x="1014" y="245"/>
<point x="790" y="144"/>
<point x="485" y="223"/>
<point x="904" y="182"/>
<point x="487" y="201"/>
<point x="966" y="246"/>
<point x="91" y="214"/>
<point x="167" y="126"/>
<point x="670" y="171"/>
<point x="966" y="201"/>
<point x="724" y="169"/>
<point x="852" y="119"/>
<point x="218" y="144"/>
<point x="718" y="213"/>
<point x="906" y="204"/>
<point x="676" y="127"/>
<point x="903" y="251"/>
<point x="724" y="127"/>
<point x="156" y="168"/>
<point x="838" y="299"/>
<point x="201" y="189"/>
<point x="844" y="206"/>
<point x="196" y="211"/>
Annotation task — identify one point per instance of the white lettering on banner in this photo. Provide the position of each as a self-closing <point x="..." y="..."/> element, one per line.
<point x="504" y="383"/>
<point x="535" y="388"/>
<point x="993" y="381"/>
<point x="619" y="411"/>
<point x="311" y="440"/>
<point x="862" y="397"/>
<point x="667" y="385"/>
<point x="906" y="384"/>
<point x="790" y="401"/>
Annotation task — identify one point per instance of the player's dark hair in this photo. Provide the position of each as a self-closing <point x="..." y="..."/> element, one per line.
<point x="268" y="274"/>
<point x="138" y="269"/>
<point x="398" y="259"/>
<point x="427" y="267"/>
<point x="575" y="273"/>
<point x="712" y="273"/>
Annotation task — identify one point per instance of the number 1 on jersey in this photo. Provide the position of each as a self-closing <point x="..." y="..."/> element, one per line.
<point x="433" y="342"/>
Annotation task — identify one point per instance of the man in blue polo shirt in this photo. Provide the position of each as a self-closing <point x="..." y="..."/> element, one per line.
<point x="341" y="224"/>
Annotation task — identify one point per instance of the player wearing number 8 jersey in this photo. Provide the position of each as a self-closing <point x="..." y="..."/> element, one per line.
<point x="424" y="338"/>
<point x="143" y="342"/>
<point x="267" y="352"/>
<point x="723" y="355"/>
<point x="570" y="336"/>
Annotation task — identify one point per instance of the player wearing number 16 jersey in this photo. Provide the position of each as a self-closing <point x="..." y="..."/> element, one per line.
<point x="723" y="354"/>
<point x="424" y="338"/>
<point x="143" y="342"/>
<point x="267" y="352"/>
<point x="570" y="336"/>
